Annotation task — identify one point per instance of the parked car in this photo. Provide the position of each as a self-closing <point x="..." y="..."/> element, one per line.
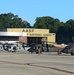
<point x="68" y="49"/>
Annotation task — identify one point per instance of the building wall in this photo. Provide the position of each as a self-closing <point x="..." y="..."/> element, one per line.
<point x="31" y="32"/>
<point x="28" y="30"/>
<point x="51" y="38"/>
<point x="23" y="39"/>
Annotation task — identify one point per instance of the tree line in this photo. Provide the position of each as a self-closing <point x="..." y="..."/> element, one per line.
<point x="10" y="20"/>
<point x="64" y="30"/>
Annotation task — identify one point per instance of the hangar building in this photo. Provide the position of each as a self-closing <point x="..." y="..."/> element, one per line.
<point x="28" y="35"/>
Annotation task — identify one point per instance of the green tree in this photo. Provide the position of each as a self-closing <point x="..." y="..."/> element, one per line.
<point x="10" y="20"/>
<point x="65" y="32"/>
<point x="47" y="23"/>
<point x="70" y="29"/>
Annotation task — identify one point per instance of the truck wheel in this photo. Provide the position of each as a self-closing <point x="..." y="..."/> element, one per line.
<point x="36" y="52"/>
<point x="72" y="53"/>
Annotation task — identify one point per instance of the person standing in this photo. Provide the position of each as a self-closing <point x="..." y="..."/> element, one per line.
<point x="39" y="50"/>
<point x="47" y="48"/>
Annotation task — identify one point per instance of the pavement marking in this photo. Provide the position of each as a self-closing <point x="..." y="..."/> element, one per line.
<point x="32" y="64"/>
<point x="57" y="69"/>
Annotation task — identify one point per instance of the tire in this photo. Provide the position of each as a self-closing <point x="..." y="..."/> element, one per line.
<point x="36" y="52"/>
<point x="72" y="53"/>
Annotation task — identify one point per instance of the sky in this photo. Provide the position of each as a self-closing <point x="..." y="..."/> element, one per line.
<point x="29" y="10"/>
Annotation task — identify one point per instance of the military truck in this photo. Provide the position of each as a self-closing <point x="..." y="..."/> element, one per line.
<point x="68" y="49"/>
<point x="34" y="48"/>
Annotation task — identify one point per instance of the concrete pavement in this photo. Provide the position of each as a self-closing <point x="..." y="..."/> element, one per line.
<point x="47" y="63"/>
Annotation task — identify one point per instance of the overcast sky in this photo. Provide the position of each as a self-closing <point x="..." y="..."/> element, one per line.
<point x="30" y="9"/>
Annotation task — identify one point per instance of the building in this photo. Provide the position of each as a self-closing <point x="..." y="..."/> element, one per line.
<point x="28" y="35"/>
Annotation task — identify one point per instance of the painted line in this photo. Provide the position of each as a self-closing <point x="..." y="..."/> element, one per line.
<point x="32" y="64"/>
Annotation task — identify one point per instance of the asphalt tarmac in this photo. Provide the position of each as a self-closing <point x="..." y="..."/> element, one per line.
<point x="25" y="63"/>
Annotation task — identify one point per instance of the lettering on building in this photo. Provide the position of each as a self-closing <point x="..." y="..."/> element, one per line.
<point x="35" y="35"/>
<point x="47" y="34"/>
<point x="28" y="30"/>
